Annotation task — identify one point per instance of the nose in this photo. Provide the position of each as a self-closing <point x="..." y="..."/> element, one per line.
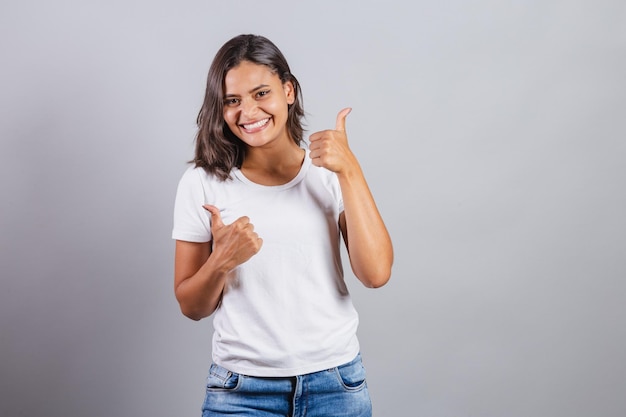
<point x="248" y="107"/>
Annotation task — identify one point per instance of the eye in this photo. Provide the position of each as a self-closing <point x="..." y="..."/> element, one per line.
<point x="262" y="93"/>
<point x="230" y="102"/>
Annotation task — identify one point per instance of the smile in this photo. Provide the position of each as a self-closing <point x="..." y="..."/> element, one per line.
<point x="256" y="125"/>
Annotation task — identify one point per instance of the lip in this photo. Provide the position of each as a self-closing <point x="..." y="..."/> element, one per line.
<point x="255" y="126"/>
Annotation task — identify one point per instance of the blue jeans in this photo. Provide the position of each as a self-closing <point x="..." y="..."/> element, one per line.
<point x="336" y="392"/>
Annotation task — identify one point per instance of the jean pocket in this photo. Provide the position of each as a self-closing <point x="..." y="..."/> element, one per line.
<point x="352" y="375"/>
<point x="221" y="378"/>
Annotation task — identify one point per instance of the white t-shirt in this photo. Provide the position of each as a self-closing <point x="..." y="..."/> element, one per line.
<point x="287" y="310"/>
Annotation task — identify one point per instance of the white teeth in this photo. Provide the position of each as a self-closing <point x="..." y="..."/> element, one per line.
<point x="256" y="125"/>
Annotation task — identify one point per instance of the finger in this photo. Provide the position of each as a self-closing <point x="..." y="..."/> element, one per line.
<point x="244" y="221"/>
<point x="315" y="136"/>
<point x="341" y="119"/>
<point x="216" y="217"/>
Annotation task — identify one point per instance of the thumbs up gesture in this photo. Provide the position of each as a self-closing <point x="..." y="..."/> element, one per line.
<point x="236" y="242"/>
<point x="329" y="148"/>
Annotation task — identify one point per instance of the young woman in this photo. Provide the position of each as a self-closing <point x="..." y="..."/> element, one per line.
<point x="258" y="222"/>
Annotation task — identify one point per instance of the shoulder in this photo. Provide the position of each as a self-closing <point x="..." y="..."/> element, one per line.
<point x="322" y="175"/>
<point x="193" y="173"/>
<point x="193" y="182"/>
<point x="196" y="182"/>
<point x="197" y="176"/>
<point x="325" y="182"/>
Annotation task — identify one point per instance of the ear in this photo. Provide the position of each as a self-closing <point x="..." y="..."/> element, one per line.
<point x="290" y="92"/>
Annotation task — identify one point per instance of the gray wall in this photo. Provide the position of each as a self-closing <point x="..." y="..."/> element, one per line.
<point x="493" y="137"/>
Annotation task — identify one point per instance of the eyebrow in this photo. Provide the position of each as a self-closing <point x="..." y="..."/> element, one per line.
<point x="249" y="92"/>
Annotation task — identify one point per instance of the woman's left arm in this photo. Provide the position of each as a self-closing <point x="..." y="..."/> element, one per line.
<point x="366" y="237"/>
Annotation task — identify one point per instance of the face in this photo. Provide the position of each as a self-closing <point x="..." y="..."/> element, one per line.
<point x="256" y="104"/>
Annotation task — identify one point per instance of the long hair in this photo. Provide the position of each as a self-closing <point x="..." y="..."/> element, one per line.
<point x="217" y="149"/>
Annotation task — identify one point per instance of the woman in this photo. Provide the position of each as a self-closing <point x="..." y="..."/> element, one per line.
<point x="257" y="223"/>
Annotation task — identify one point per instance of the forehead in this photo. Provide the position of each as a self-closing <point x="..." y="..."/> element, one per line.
<point x="248" y="75"/>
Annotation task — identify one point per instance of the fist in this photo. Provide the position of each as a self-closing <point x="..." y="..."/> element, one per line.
<point x="236" y="242"/>
<point x="329" y="148"/>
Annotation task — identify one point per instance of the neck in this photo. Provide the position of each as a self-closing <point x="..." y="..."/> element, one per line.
<point x="273" y="157"/>
<point x="274" y="165"/>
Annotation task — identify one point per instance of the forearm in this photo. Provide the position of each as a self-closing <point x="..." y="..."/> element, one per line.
<point x="199" y="279"/>
<point x="200" y="269"/>
<point x="367" y="239"/>
<point x="200" y="294"/>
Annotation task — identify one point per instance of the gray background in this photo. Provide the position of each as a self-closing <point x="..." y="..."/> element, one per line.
<point x="493" y="137"/>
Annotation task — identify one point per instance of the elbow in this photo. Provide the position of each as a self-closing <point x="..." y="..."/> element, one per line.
<point x="377" y="282"/>
<point x="193" y="314"/>
<point x="375" y="278"/>
<point x="374" y="271"/>
<point x="190" y="307"/>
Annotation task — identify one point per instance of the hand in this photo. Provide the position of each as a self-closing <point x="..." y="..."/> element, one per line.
<point x="329" y="148"/>
<point x="236" y="242"/>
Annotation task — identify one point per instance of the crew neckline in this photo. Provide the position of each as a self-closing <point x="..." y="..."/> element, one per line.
<point x="295" y="180"/>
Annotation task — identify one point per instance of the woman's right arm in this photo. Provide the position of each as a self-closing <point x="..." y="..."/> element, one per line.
<point x="198" y="284"/>
<point x="200" y="269"/>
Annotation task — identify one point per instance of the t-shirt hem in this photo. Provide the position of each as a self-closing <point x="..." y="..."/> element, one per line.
<point x="189" y="237"/>
<point x="270" y="372"/>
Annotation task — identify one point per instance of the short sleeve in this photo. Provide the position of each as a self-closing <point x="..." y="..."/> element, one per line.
<point x="191" y="220"/>
<point x="335" y="190"/>
<point x="339" y="198"/>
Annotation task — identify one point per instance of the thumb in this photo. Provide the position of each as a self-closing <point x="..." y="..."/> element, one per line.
<point x="341" y="119"/>
<point x="216" y="217"/>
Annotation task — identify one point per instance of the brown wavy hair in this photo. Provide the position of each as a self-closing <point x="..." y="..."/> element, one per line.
<point x="217" y="149"/>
